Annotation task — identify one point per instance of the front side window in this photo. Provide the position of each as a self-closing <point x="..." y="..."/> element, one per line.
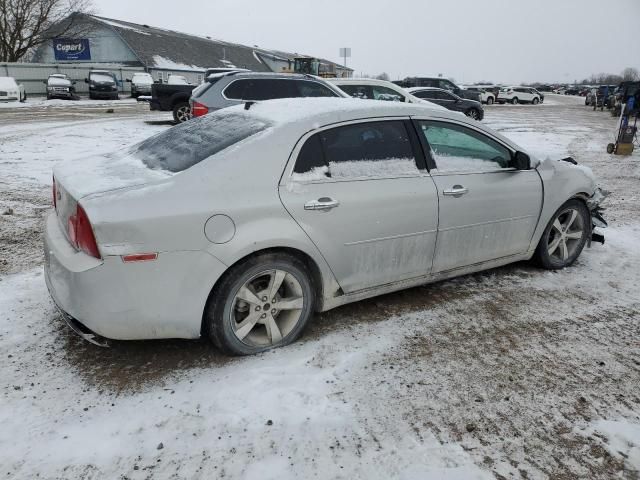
<point x="459" y="149"/>
<point x="358" y="91"/>
<point x="384" y="93"/>
<point x="363" y="150"/>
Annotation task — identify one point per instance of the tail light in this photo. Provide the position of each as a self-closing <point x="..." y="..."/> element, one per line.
<point x="198" y="109"/>
<point x="81" y="233"/>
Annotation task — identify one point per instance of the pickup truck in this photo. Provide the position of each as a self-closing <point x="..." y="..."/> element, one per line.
<point x="168" y="97"/>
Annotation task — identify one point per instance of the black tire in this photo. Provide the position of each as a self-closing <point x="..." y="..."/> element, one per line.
<point x="473" y="113"/>
<point x="490" y="101"/>
<point x="514" y="100"/>
<point x="611" y="148"/>
<point x="535" y="100"/>
<point x="218" y="319"/>
<point x="181" y="112"/>
<point x="542" y="256"/>
<point x="24" y="99"/>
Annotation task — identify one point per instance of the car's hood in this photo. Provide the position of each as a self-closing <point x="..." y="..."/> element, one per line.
<point x="103" y="173"/>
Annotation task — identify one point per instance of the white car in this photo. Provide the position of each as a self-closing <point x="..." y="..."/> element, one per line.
<point x="486" y="93"/>
<point x="373" y="89"/>
<point x="240" y="224"/>
<point x="141" y="84"/>
<point x="517" y="95"/>
<point x="177" y="80"/>
<point x="10" y="90"/>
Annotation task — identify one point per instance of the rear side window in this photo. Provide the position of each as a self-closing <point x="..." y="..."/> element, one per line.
<point x="261" y="89"/>
<point x="189" y="143"/>
<point x="313" y="89"/>
<point x="372" y="149"/>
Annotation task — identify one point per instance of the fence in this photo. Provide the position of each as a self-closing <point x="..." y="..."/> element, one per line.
<point x="33" y="75"/>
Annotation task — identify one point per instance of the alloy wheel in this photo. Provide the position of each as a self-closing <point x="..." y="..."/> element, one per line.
<point x="266" y="308"/>
<point x="183" y="113"/>
<point x="565" y="235"/>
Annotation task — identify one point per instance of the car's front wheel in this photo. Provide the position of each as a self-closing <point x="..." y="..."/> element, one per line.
<point x="263" y="302"/>
<point x="181" y="112"/>
<point x="490" y="101"/>
<point x="473" y="113"/>
<point x="565" y="236"/>
<point x="535" y="101"/>
<point x="515" y="100"/>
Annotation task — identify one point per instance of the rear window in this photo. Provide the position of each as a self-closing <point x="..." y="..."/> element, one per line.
<point x="189" y="143"/>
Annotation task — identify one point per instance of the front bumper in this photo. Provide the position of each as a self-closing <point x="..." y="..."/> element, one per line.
<point x="107" y="298"/>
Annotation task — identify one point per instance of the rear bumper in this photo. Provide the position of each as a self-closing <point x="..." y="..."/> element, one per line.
<point x="107" y="298"/>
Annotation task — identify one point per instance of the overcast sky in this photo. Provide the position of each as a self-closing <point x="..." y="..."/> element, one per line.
<point x="508" y="41"/>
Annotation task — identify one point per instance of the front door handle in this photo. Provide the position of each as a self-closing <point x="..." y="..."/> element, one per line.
<point x="323" y="203"/>
<point x="456" y="191"/>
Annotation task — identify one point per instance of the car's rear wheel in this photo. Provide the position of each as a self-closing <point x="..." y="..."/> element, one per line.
<point x="490" y="101"/>
<point x="535" y="100"/>
<point x="262" y="303"/>
<point x="514" y="100"/>
<point x="565" y="236"/>
<point x="181" y="112"/>
<point x="473" y="113"/>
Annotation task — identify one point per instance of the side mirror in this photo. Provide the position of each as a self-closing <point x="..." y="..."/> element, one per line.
<point x="521" y="161"/>
<point x="86" y="80"/>
<point x="128" y="80"/>
<point x="44" y="81"/>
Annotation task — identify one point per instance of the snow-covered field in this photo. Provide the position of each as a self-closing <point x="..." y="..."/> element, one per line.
<point x="512" y="373"/>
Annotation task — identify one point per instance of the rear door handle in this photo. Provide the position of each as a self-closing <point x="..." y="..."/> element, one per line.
<point x="324" y="203"/>
<point x="456" y="191"/>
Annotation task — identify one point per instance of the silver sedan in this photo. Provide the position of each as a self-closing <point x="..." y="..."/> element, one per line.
<point x="241" y="224"/>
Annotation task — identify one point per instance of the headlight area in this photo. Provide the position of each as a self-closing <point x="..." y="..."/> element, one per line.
<point x="597" y="220"/>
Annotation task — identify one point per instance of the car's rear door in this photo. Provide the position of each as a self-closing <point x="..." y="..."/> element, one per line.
<point x="487" y="210"/>
<point x="361" y="193"/>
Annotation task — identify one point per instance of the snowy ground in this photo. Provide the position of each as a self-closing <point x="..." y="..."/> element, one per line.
<point x="512" y="373"/>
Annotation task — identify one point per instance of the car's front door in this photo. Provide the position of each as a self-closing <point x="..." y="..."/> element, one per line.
<point x="361" y="196"/>
<point x="487" y="210"/>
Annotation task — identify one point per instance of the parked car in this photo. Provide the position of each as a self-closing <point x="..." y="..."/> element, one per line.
<point x="450" y="101"/>
<point x="102" y="84"/>
<point x="10" y="90"/>
<point x="517" y="95"/>
<point x="373" y="89"/>
<point x="140" y="84"/>
<point x="172" y="98"/>
<point x="227" y="89"/>
<point x="486" y="94"/>
<point x="590" y="98"/>
<point x="572" y="91"/>
<point x="60" y="85"/>
<point x="288" y="207"/>
<point x="438" y="82"/>
<point x="178" y="80"/>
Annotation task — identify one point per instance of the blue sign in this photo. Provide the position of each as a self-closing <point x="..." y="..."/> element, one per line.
<point x="71" y="49"/>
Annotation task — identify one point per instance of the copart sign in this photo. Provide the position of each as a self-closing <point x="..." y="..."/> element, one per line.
<point x="71" y="49"/>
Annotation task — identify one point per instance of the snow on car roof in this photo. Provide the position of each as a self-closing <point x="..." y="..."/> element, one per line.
<point x="311" y="112"/>
<point x="8" y="82"/>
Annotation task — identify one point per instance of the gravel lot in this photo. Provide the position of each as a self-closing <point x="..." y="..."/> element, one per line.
<point x="508" y="374"/>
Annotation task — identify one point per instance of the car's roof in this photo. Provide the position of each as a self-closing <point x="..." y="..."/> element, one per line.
<point x="58" y="75"/>
<point x="363" y="81"/>
<point x="313" y="111"/>
<point x="100" y="71"/>
<point x="416" y="89"/>
<point x="250" y="74"/>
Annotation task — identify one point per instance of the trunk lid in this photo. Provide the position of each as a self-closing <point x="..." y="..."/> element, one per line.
<point x="80" y="178"/>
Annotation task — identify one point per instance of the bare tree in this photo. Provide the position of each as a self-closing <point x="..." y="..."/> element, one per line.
<point x="26" y="24"/>
<point x="630" y="74"/>
<point x="383" y="76"/>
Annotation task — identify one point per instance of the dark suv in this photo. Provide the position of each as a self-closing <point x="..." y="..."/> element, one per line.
<point x="102" y="84"/>
<point x="227" y="89"/>
<point x="438" y="82"/>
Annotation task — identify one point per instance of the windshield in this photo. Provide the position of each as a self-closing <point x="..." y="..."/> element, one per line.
<point x="102" y="78"/>
<point x="59" y="81"/>
<point x="187" y="144"/>
<point x="142" y="78"/>
<point x="177" y="80"/>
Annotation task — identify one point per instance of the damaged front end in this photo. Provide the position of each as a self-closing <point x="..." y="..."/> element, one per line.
<point x="597" y="221"/>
